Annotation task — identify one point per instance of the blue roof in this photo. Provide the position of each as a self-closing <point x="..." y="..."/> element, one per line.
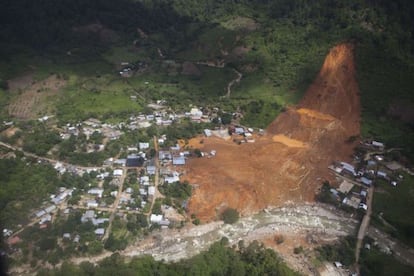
<point x="179" y="160"/>
<point x="366" y="181"/>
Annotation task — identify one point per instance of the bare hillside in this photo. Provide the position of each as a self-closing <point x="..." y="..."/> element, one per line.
<point x="290" y="162"/>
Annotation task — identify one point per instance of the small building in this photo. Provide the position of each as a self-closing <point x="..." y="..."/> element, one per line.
<point x="96" y="191"/>
<point x="178" y="160"/>
<point x="76" y="239"/>
<point x="382" y="174"/>
<point x="377" y="145"/>
<point x="91" y="204"/>
<point x="207" y="132"/>
<point x="174" y="177"/>
<point x="118" y="172"/>
<point x="89" y="215"/>
<point x="352" y="201"/>
<point x="120" y="162"/>
<point x="144" y="179"/>
<point x="164" y="155"/>
<point x="175" y="148"/>
<point x="100" y="231"/>
<point x="156" y="218"/>
<point x="143" y="146"/>
<point x="50" y="208"/>
<point x="363" y="193"/>
<point x="134" y="160"/>
<point x="348" y="168"/>
<point x="151" y="170"/>
<point x="239" y="130"/>
<point x="366" y="181"/>
<point x="151" y="190"/>
<point x="40" y="213"/>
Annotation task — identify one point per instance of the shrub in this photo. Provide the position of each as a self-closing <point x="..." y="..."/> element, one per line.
<point x="230" y="216"/>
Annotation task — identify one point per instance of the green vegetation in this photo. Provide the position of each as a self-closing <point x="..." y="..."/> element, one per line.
<point x="278" y="46"/>
<point x="230" y="216"/>
<point x="395" y="205"/>
<point x="176" y="190"/>
<point x="344" y="251"/>
<point x="218" y="260"/>
<point x="373" y="262"/>
<point x="24" y="184"/>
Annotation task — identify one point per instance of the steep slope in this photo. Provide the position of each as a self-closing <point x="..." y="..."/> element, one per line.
<point x="290" y="161"/>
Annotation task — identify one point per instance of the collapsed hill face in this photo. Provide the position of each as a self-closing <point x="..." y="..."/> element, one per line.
<point x="290" y="162"/>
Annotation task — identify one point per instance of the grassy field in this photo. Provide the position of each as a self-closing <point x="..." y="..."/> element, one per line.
<point x="396" y="205"/>
<point x="375" y="263"/>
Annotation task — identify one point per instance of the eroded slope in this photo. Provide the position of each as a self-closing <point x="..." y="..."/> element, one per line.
<point x="290" y="161"/>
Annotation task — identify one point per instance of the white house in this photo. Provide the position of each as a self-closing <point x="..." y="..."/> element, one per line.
<point x="118" y="172"/>
<point x="155" y="218"/>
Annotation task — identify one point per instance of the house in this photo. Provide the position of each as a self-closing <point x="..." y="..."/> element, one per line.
<point x="164" y="155"/>
<point x="134" y="160"/>
<point x="207" y="132"/>
<point x="151" y="170"/>
<point x="348" y="168"/>
<point x="91" y="204"/>
<point x="352" y="201"/>
<point x="89" y="215"/>
<point x="76" y="239"/>
<point x="143" y="192"/>
<point x="239" y="130"/>
<point x="40" y="213"/>
<point x="50" y="208"/>
<point x="132" y="149"/>
<point x="143" y="146"/>
<point x="118" y="172"/>
<point x="66" y="236"/>
<point x="156" y="218"/>
<point x="151" y="190"/>
<point x="144" y="179"/>
<point x="366" y="181"/>
<point x="378" y="145"/>
<point x="363" y="193"/>
<point x="178" y="160"/>
<point x="120" y="162"/>
<point x="100" y="231"/>
<point x="175" y="148"/>
<point x="175" y="177"/>
<point x="96" y="191"/>
<point x="382" y="174"/>
<point x="99" y="221"/>
<point x="45" y="218"/>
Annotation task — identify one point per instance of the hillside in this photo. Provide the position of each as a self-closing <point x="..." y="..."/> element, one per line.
<point x="290" y="161"/>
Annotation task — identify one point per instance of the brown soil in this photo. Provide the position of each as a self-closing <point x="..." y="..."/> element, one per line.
<point x="290" y="162"/>
<point x="32" y="101"/>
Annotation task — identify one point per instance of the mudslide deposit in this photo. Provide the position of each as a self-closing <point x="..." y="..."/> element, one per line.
<point x="290" y="161"/>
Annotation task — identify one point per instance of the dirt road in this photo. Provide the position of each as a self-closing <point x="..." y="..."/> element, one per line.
<point x="115" y="205"/>
<point x="364" y="224"/>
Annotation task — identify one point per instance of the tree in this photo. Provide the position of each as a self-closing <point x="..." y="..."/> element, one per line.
<point x="230" y="216"/>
